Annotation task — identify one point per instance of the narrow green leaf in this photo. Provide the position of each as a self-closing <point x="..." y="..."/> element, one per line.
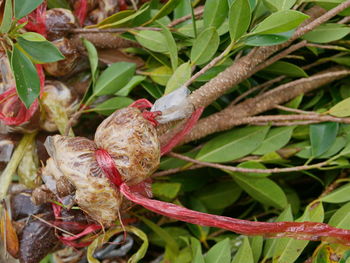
<point x="239" y="18"/>
<point x="218" y="195"/>
<point x="219" y="253"/>
<point x="275" y="140"/>
<point x="280" y="4"/>
<point x="7" y="17"/>
<point x="233" y="144"/>
<point x="285" y="68"/>
<point x="339" y="195"/>
<point x="24" y="7"/>
<point x="165" y="10"/>
<point x="205" y="46"/>
<point x="318" y="133"/>
<point x="26" y="76"/>
<point x="263" y="190"/>
<point x="267" y="40"/>
<point x="168" y="239"/>
<point x="257" y="243"/>
<point x="153" y="40"/>
<point x="244" y="253"/>
<point x="197" y="256"/>
<point x="327" y="33"/>
<point x="40" y="51"/>
<point x="288" y="250"/>
<point x="171" y="45"/>
<point x="32" y="36"/>
<point x="215" y="12"/>
<point x="280" y="21"/>
<point x="109" y="106"/>
<point x="166" y="190"/>
<point x="58" y="4"/>
<point x="93" y="58"/>
<point x="152" y="89"/>
<point x="161" y="75"/>
<point x="341" y="218"/>
<point x="114" y="78"/>
<point x="341" y="109"/>
<point x="180" y="76"/>
<point x="134" y="82"/>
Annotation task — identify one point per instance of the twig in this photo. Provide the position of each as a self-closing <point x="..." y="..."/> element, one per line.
<point x="249" y="170"/>
<point x="332" y="47"/>
<point x="197" y="12"/>
<point x="227" y="118"/>
<point x="176" y="170"/>
<point x="209" y="65"/>
<point x="74" y="118"/>
<point x="280" y="107"/>
<point x="109" y="30"/>
<point x="345" y="20"/>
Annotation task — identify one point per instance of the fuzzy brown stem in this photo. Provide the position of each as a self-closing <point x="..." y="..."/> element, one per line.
<point x="227" y="118"/>
<point x="244" y="67"/>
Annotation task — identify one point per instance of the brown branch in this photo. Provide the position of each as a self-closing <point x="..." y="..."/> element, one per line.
<point x="227" y="118"/>
<point x="249" y="170"/>
<point x="176" y="170"/>
<point x="244" y="67"/>
<point x="197" y="13"/>
<point x="280" y="107"/>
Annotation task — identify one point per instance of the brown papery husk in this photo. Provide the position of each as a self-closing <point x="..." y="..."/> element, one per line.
<point x="74" y="157"/>
<point x="303" y="230"/>
<point x="132" y="142"/>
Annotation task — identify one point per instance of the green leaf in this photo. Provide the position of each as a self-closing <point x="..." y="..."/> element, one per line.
<point x="168" y="239"/>
<point x="183" y="9"/>
<point x="280" y="4"/>
<point x="318" y="133"/>
<point x="218" y="195"/>
<point x="109" y="106"/>
<point x="93" y="58"/>
<point x="263" y="190"/>
<point x="215" y="12"/>
<point x="257" y="243"/>
<point x="32" y="36"/>
<point x="341" y="109"/>
<point x="24" y="7"/>
<point x="152" y="89"/>
<point x="341" y="218"/>
<point x="161" y="75"/>
<point x="280" y="21"/>
<point x="244" y="253"/>
<point x="165" y="10"/>
<point x="114" y="78"/>
<point x="166" y="190"/>
<point x="153" y="40"/>
<point x="58" y="4"/>
<point x="219" y="253"/>
<point x="171" y="46"/>
<point x="197" y="256"/>
<point x="205" y="46"/>
<point x="267" y="40"/>
<point x="271" y="244"/>
<point x="275" y="140"/>
<point x="239" y="18"/>
<point x="26" y="76"/>
<point x="134" y="82"/>
<point x="40" y="51"/>
<point x="288" y="250"/>
<point x="233" y="144"/>
<point x="7" y="17"/>
<point x="339" y="195"/>
<point x="180" y="76"/>
<point x="285" y="68"/>
<point x="327" y="32"/>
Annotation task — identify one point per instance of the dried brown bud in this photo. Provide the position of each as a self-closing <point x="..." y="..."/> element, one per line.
<point x="58" y="23"/>
<point x="63" y="67"/>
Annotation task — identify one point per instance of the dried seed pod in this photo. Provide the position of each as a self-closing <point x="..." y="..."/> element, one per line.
<point x="75" y="159"/>
<point x="58" y="104"/>
<point x="58" y="23"/>
<point x="63" y="67"/>
<point x="132" y="142"/>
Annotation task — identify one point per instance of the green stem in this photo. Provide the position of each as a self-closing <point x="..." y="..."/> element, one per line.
<point x="6" y="177"/>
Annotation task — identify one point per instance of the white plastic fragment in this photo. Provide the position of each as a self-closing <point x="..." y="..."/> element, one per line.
<point x="174" y="106"/>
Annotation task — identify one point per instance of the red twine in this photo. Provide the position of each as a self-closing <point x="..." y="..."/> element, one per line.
<point x="36" y="20"/>
<point x="80" y="11"/>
